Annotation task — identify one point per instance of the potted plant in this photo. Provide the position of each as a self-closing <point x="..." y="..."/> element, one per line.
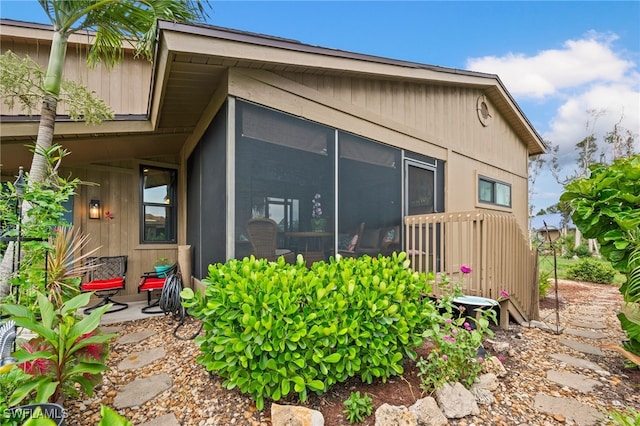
<point x="161" y="266"/>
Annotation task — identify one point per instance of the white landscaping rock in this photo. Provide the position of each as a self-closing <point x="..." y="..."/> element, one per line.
<point x="392" y="415"/>
<point x="427" y="412"/>
<point x="455" y="401"/>
<point x="493" y="365"/>
<point x="292" y="415"/>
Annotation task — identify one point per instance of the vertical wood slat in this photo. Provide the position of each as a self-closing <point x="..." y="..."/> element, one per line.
<point x="492" y="244"/>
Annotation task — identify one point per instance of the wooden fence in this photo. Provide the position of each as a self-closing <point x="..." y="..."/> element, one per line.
<point x="491" y="244"/>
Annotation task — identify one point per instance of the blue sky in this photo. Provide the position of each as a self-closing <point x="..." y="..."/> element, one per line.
<point x="557" y="59"/>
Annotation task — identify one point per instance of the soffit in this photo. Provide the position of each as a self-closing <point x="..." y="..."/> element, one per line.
<point x="205" y="52"/>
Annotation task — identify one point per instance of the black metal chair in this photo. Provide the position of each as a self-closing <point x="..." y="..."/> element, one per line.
<point x="154" y="281"/>
<point x="106" y="279"/>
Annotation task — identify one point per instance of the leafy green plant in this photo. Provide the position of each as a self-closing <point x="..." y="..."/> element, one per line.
<point x="358" y="407"/>
<point x="36" y="227"/>
<point x="272" y="328"/>
<point x="456" y="338"/>
<point x="607" y="207"/>
<point x="592" y="271"/>
<point x="544" y="283"/>
<point x="163" y="261"/>
<point x="109" y="417"/>
<point x="67" y="350"/>
<point x="627" y="417"/>
<point x="11" y="378"/>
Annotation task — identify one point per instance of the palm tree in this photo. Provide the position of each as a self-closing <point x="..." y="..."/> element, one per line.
<point x="113" y="22"/>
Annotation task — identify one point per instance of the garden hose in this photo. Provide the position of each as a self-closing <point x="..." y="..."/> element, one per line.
<point x="171" y="303"/>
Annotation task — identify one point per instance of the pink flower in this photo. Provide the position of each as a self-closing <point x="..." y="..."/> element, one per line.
<point x="454" y="331"/>
<point x="465" y="269"/>
<point x="504" y="294"/>
<point x="448" y="320"/>
<point x="480" y="359"/>
<point x="467" y="326"/>
<point x="500" y="358"/>
<point x="445" y="357"/>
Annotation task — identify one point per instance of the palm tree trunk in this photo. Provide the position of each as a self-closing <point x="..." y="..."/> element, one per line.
<point x="38" y="169"/>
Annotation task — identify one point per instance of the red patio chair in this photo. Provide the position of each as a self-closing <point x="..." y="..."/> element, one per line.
<point x="153" y="281"/>
<point x="106" y="279"/>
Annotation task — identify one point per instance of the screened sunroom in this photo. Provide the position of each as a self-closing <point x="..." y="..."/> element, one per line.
<point x="328" y="191"/>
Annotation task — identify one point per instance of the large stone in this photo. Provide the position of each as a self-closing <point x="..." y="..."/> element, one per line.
<point x="582" y="414"/>
<point x="581" y="347"/>
<point x="588" y="334"/>
<point x="136" y="337"/>
<point x="577" y="362"/>
<point x="593" y="324"/>
<point x="455" y="401"/>
<point x="487" y="381"/>
<point x="551" y="328"/>
<point x="427" y="412"/>
<point x="165" y="420"/>
<point x="392" y="415"/>
<point x="142" y="390"/>
<point x="140" y="359"/>
<point x="292" y="415"/>
<point x="493" y="365"/>
<point x="482" y="396"/>
<point x="576" y="381"/>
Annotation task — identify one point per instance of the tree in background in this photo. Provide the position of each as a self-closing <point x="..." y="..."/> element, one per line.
<point x="112" y="23"/>
<point x="590" y="153"/>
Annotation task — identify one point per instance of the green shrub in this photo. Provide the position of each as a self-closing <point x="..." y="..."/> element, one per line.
<point x="544" y="283"/>
<point x="581" y="251"/>
<point x="272" y="329"/>
<point x="591" y="270"/>
<point x="358" y="407"/>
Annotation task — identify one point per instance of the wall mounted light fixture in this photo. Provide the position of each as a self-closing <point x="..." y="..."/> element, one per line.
<point x="94" y="209"/>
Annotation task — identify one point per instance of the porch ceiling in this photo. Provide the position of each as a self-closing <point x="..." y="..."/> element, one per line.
<point x="189" y="84"/>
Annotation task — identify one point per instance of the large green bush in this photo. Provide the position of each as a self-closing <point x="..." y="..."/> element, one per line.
<point x="273" y="329"/>
<point x="591" y="270"/>
<point x="607" y="207"/>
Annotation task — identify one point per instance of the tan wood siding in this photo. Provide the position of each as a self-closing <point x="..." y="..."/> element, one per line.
<point x="433" y="120"/>
<point x="117" y="188"/>
<point x="125" y="88"/>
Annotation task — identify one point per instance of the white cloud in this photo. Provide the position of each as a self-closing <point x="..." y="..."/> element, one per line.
<point x="585" y="75"/>
<point x="549" y="72"/>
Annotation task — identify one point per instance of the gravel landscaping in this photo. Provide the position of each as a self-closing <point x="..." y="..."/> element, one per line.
<point x="196" y="398"/>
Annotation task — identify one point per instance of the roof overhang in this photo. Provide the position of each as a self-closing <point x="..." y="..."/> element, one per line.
<point x="209" y="47"/>
<point x="190" y="66"/>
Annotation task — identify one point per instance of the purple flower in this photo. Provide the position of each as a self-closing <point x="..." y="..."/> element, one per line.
<point x="480" y="359"/>
<point x="454" y="331"/>
<point x="465" y="269"/>
<point x="448" y="320"/>
<point x="467" y="326"/>
<point x="445" y="357"/>
<point x="504" y="294"/>
<point x="500" y="358"/>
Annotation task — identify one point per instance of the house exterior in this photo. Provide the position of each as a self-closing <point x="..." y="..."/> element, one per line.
<point x="223" y="126"/>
